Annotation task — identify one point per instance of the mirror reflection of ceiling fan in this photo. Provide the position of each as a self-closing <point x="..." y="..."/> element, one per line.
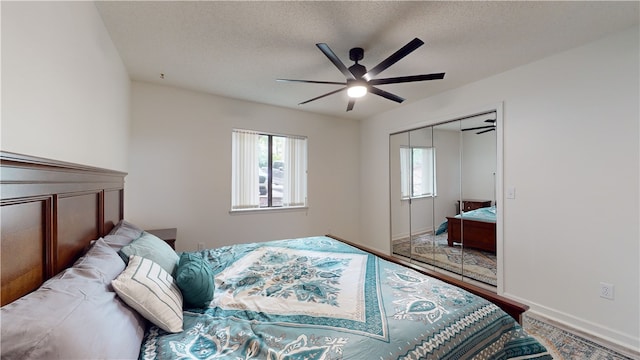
<point x="359" y="81"/>
<point x="484" y="129"/>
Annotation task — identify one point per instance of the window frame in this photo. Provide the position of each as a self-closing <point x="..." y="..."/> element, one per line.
<point x="300" y="159"/>
<point x="407" y="180"/>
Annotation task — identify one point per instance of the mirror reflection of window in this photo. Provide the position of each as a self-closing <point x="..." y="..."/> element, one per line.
<point x="417" y="172"/>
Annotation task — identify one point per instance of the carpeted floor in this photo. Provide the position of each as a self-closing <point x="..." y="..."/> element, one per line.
<point x="481" y="266"/>
<point x="434" y="250"/>
<point x="564" y="345"/>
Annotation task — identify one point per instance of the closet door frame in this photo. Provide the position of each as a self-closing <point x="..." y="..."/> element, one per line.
<point x="435" y="119"/>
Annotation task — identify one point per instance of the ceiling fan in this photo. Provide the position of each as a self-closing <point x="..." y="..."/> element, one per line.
<point x="485" y="128"/>
<point x="359" y="81"/>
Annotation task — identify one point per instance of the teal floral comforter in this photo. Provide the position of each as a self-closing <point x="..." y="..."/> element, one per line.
<point x="487" y="214"/>
<point x="317" y="298"/>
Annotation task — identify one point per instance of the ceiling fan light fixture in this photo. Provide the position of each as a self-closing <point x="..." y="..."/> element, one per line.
<point x="357" y="89"/>
<point x="359" y="81"/>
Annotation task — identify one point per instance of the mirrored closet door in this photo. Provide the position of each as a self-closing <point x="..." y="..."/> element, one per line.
<point x="442" y="197"/>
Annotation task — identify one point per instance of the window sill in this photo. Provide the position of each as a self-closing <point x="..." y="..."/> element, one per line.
<point x="268" y="209"/>
<point x="418" y="197"/>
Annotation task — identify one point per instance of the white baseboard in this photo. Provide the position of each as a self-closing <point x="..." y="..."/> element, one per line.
<point x="395" y="237"/>
<point x="604" y="336"/>
<point x="400" y="236"/>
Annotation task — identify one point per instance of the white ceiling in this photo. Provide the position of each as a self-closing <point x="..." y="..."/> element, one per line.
<point x="237" y="49"/>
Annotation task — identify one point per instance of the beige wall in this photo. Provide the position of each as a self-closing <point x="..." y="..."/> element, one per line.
<point x="180" y="160"/>
<point x="571" y="150"/>
<point x="65" y="91"/>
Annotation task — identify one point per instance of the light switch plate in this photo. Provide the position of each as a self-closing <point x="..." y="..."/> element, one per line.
<point x="511" y="193"/>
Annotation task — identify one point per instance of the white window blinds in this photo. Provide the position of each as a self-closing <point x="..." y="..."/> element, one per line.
<point x="244" y="170"/>
<point x="417" y="171"/>
<point x="295" y="172"/>
<point x="268" y="170"/>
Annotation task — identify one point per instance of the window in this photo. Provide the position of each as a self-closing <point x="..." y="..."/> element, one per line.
<point x="268" y="170"/>
<point x="418" y="171"/>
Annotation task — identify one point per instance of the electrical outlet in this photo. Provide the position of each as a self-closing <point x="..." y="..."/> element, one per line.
<point x="200" y="246"/>
<point x="606" y="291"/>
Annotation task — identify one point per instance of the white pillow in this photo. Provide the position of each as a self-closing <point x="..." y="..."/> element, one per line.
<point x="149" y="289"/>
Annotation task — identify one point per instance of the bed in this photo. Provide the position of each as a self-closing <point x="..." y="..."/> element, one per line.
<point x="474" y="229"/>
<point x="74" y="275"/>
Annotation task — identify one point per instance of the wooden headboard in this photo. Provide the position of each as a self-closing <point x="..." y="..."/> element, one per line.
<point x="50" y="211"/>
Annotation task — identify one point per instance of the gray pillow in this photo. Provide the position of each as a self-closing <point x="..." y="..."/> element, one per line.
<point x="74" y="315"/>
<point x="126" y="229"/>
<point x="153" y="248"/>
<point x="99" y="259"/>
<point x="116" y="242"/>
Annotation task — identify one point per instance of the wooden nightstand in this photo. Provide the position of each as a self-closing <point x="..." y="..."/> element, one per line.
<point x="168" y="235"/>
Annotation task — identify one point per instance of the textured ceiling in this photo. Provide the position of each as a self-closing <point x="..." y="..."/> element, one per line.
<point x="238" y="49"/>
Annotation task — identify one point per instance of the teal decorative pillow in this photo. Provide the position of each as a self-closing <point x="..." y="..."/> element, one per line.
<point x="153" y="248"/>
<point x="442" y="228"/>
<point x="195" y="279"/>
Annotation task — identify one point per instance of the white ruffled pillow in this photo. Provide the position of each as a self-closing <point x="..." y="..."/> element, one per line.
<point x="149" y="289"/>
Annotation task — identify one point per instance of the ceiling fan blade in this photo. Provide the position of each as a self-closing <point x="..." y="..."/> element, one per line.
<point x="404" y="79"/>
<point x="385" y="94"/>
<point x="313" y="81"/>
<point x="321" y="96"/>
<point x="335" y="60"/>
<point x="394" y="58"/>
<point x="484" y="131"/>
<point x="480" y="128"/>
<point x="350" y="104"/>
